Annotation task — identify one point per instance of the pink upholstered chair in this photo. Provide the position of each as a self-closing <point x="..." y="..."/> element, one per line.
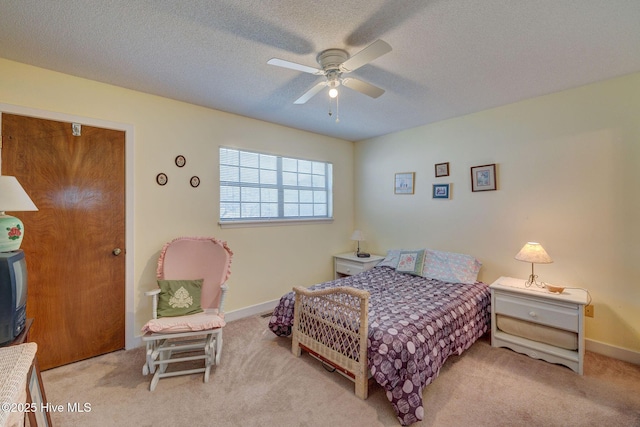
<point x="188" y="268"/>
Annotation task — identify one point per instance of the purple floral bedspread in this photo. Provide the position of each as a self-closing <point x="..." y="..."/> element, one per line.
<point x="415" y="324"/>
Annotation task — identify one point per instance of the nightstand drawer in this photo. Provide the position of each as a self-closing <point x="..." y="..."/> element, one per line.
<point x="557" y="314"/>
<point x="349" y="268"/>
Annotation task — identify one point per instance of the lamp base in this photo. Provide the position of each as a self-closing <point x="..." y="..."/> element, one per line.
<point x="532" y="280"/>
<point x="11" y="233"/>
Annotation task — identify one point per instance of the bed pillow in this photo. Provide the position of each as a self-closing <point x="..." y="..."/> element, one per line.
<point x="450" y="267"/>
<point x="391" y="260"/>
<point x="179" y="297"/>
<point x="411" y="262"/>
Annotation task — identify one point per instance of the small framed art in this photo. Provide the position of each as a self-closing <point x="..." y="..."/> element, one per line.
<point x="442" y="169"/>
<point x="404" y="182"/>
<point x="483" y="178"/>
<point x="180" y="161"/>
<point x="441" y="191"/>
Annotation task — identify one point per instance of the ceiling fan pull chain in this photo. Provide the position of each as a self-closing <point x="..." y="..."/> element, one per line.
<point x="337" y="110"/>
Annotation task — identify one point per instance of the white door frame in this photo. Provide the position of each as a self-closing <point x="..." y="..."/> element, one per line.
<point x="130" y="339"/>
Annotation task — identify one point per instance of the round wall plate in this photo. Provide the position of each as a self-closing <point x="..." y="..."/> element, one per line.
<point x="180" y="161"/>
<point x="162" y="179"/>
<point x="195" y="181"/>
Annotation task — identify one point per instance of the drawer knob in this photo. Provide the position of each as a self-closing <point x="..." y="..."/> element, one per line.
<point x="532" y="313"/>
<point x="348" y="270"/>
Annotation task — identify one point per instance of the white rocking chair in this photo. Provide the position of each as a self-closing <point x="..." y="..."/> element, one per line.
<point x="200" y="335"/>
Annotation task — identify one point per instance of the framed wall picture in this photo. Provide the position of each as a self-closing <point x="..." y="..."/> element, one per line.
<point x="442" y="169"/>
<point x="404" y="182"/>
<point x="483" y="178"/>
<point x="441" y="191"/>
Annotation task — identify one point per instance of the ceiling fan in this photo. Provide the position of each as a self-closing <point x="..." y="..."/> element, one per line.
<point x="333" y="64"/>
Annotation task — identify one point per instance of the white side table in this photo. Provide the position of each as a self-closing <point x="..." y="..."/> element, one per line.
<point x="349" y="264"/>
<point x="538" y="307"/>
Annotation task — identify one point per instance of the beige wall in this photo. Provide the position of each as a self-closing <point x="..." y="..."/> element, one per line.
<point x="568" y="177"/>
<point x="268" y="261"/>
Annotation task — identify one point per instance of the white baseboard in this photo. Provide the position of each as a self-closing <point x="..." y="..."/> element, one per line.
<point x="609" y="350"/>
<point x="229" y="316"/>
<point x="135" y="342"/>
<point x="253" y="310"/>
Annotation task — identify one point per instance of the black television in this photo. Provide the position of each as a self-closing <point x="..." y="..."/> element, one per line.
<point x="13" y="295"/>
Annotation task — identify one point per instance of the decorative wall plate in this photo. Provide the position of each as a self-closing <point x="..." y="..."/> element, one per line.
<point x="180" y="161"/>
<point x="162" y="179"/>
<point x="195" y="181"/>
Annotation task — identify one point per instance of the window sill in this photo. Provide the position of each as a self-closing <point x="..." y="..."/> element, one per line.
<point x="272" y="222"/>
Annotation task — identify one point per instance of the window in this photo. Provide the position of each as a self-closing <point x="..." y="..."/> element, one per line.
<point x="264" y="187"/>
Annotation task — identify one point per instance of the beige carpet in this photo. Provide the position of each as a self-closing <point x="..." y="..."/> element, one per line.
<point x="260" y="383"/>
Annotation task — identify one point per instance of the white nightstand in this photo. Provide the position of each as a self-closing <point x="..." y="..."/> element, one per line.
<point x="541" y="324"/>
<point x="349" y="264"/>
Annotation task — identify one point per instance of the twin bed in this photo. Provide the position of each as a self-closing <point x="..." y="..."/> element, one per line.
<point x="398" y="321"/>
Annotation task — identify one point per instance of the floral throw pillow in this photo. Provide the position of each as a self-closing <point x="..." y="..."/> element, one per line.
<point x="179" y="297"/>
<point x="411" y="262"/>
<point x="391" y="260"/>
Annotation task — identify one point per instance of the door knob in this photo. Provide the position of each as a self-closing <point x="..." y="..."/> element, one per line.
<point x="117" y="251"/>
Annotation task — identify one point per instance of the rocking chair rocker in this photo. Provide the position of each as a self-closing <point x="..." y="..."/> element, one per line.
<point x="188" y="315"/>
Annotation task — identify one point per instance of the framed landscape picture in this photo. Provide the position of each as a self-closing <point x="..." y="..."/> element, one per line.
<point x="404" y="183"/>
<point x="483" y="178"/>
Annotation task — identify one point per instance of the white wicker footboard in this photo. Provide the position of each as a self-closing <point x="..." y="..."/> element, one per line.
<point x="332" y="324"/>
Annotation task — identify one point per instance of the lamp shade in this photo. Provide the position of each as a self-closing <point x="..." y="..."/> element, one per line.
<point x="12" y="198"/>
<point x="358" y="235"/>
<point x="533" y="252"/>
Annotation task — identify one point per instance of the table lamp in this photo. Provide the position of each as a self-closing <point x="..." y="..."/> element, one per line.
<point x="359" y="236"/>
<point x="12" y="198"/>
<point x="534" y="253"/>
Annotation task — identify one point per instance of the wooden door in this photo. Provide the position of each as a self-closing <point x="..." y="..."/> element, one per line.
<point x="76" y="285"/>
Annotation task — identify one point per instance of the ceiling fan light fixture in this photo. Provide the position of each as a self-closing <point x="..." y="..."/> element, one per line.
<point x="333" y="63"/>
<point x="333" y="84"/>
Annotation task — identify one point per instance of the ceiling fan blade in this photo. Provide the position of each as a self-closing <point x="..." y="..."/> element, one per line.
<point x="366" y="55"/>
<point x="311" y="93"/>
<point x="363" y="87"/>
<point x="294" y="66"/>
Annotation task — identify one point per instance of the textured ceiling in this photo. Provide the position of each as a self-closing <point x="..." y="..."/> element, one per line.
<point x="449" y="57"/>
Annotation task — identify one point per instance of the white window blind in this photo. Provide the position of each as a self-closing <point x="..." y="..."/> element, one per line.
<point x="263" y="187"/>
